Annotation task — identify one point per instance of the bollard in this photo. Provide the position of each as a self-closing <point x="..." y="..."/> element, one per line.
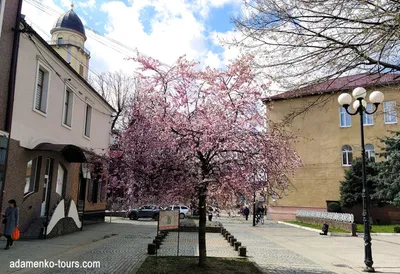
<point x="227" y="235"/>
<point x="242" y="251"/>
<point x="229" y="238"/>
<point x="158" y="237"/>
<point x="157" y="243"/>
<point x="233" y="241"/>
<point x="237" y="245"/>
<point x="151" y="249"/>
<point x="223" y="231"/>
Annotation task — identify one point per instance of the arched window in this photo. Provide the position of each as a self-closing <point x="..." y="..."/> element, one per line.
<point x="61" y="179"/>
<point x="347" y="155"/>
<point x="370" y="152"/>
<point x="32" y="176"/>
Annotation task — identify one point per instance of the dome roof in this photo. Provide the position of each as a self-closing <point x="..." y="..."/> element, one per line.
<point x="70" y="20"/>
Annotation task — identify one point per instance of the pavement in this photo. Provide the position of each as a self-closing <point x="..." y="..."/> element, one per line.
<point x="121" y="247"/>
<point x="278" y="248"/>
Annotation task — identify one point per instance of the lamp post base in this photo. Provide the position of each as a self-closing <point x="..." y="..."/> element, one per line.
<point x="369" y="269"/>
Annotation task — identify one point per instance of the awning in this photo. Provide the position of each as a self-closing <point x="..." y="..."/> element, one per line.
<point x="71" y="153"/>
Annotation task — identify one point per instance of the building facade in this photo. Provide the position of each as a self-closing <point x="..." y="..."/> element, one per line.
<point x="60" y="123"/>
<point x="10" y="11"/>
<point x="328" y="139"/>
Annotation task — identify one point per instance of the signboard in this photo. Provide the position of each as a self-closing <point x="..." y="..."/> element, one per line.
<point x="168" y="220"/>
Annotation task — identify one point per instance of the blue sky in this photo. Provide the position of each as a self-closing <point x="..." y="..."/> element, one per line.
<point x="163" y="29"/>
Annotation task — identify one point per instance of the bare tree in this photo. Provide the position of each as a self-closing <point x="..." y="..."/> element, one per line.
<point x="118" y="88"/>
<point x="301" y="42"/>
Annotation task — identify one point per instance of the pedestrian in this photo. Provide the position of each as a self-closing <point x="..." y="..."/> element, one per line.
<point x="10" y="221"/>
<point x="210" y="213"/>
<point x="246" y="212"/>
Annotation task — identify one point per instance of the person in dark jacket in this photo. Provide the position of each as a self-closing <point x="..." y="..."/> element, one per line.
<point x="246" y="212"/>
<point x="11" y="217"/>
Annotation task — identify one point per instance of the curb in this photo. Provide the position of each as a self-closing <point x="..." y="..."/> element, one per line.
<point x="338" y="234"/>
<point x="303" y="227"/>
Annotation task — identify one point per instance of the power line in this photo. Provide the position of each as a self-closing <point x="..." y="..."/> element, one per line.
<point x="46" y="9"/>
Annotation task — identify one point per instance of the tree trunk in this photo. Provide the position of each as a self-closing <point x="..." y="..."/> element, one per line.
<point x="202" y="226"/>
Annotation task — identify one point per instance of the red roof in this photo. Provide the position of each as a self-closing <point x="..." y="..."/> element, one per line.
<point x="343" y="83"/>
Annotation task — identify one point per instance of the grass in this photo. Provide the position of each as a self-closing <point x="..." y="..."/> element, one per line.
<point x="184" y="265"/>
<point x="331" y="229"/>
<point x="360" y="227"/>
<point x="378" y="228"/>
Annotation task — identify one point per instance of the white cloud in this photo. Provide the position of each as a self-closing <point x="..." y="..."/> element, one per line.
<point x="87" y="4"/>
<point x="178" y="28"/>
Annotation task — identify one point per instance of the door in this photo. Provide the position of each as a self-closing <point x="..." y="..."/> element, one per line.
<point x="47" y="182"/>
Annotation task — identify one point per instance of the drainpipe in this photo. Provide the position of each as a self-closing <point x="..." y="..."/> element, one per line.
<point x="11" y="92"/>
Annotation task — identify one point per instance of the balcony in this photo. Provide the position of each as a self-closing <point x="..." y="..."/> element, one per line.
<point x="69" y="43"/>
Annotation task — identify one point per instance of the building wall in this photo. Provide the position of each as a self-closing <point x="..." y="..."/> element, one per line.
<point x="8" y="16"/>
<point x="319" y="144"/>
<point x="76" y="55"/>
<point x="30" y="206"/>
<point x="27" y="121"/>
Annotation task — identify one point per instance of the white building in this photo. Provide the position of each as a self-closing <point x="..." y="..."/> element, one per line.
<point x="57" y="119"/>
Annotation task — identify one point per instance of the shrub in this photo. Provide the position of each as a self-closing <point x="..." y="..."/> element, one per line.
<point x="334" y="207"/>
<point x="396" y="229"/>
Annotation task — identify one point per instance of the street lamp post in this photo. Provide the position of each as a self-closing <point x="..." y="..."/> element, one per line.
<point x="359" y="106"/>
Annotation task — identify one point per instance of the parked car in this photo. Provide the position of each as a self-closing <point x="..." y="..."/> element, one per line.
<point x="147" y="211"/>
<point x="183" y="210"/>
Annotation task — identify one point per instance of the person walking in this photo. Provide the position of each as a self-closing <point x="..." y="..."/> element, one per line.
<point x="246" y="212"/>
<point x="11" y="220"/>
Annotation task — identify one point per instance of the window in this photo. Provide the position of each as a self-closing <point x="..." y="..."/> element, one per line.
<point x="68" y="54"/>
<point x="368" y="119"/>
<point x="68" y="101"/>
<point x="81" y="69"/>
<point x="59" y="41"/>
<point x="389" y="109"/>
<point x="42" y="86"/>
<point x="370" y="152"/>
<point x="88" y="120"/>
<point x="347" y="155"/>
<point x="345" y="118"/>
<point x="61" y="178"/>
<point x="3" y="150"/>
<point x="32" y="176"/>
<point x="2" y="5"/>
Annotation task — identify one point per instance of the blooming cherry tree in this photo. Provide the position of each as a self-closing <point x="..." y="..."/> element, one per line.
<point x="201" y="133"/>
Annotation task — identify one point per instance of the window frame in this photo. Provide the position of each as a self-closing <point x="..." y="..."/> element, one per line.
<point x="71" y="103"/>
<point x="370" y="153"/>
<point x="385" y="112"/>
<point x="46" y="83"/>
<point x="35" y="176"/>
<point x="366" y="116"/>
<point x="64" y="179"/>
<point x="81" y="68"/>
<point x="88" y="105"/>
<point x="342" y="110"/>
<point x="348" y="164"/>
<point x="60" y="41"/>
<point x="2" y="8"/>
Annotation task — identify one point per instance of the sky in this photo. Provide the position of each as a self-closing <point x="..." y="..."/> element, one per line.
<point x="162" y="29"/>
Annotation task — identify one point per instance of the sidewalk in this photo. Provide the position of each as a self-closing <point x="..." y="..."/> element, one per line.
<point x="93" y="243"/>
<point x="292" y="250"/>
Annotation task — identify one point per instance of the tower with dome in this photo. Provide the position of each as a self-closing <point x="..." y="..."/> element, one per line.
<point x="68" y="39"/>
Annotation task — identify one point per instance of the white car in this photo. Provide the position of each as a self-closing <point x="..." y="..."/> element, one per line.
<point x="183" y="210"/>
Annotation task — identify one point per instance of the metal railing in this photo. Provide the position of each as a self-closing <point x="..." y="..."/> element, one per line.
<point x="69" y="43"/>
